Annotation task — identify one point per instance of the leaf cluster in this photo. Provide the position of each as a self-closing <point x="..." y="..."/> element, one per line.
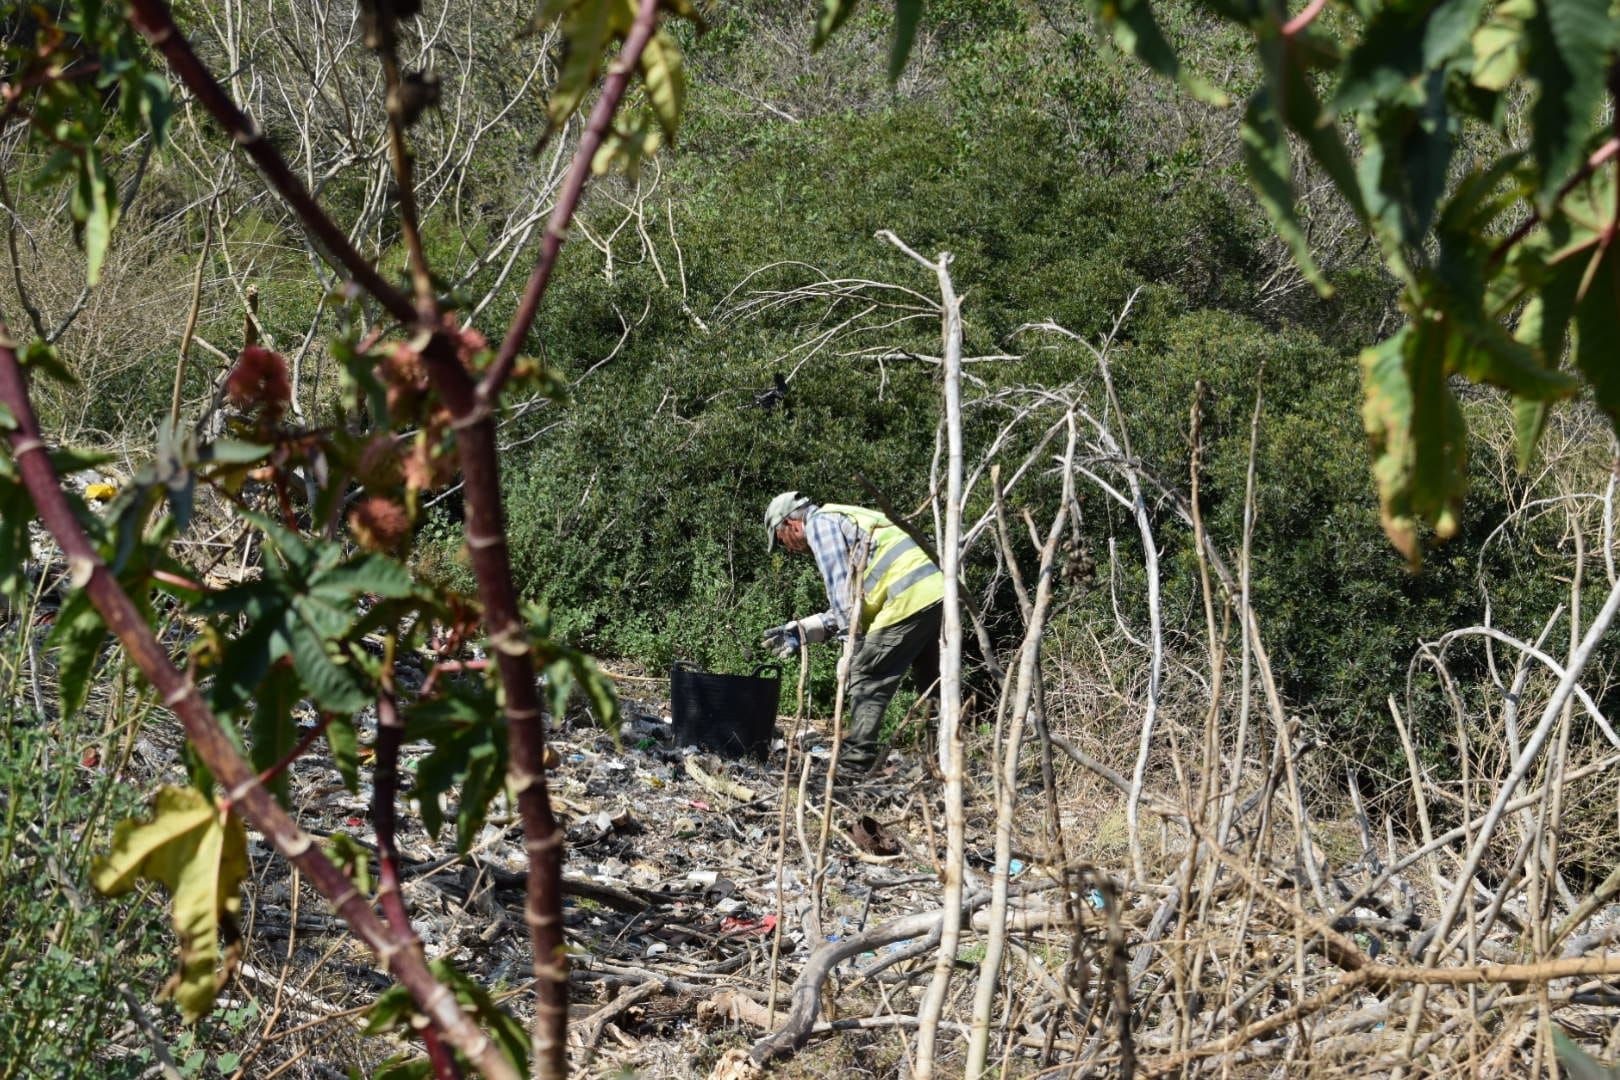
<point x="1415" y="79"/>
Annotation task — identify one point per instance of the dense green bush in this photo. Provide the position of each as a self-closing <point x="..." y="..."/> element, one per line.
<point x="638" y="519"/>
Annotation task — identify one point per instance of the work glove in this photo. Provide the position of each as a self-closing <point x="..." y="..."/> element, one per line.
<point x="784" y="640"/>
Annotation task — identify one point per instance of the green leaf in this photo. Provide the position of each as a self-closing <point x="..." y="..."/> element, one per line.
<point x="353" y="856"/>
<point x="95" y="211"/>
<point x="331" y="685"/>
<point x="1597" y="330"/>
<point x="274" y="732"/>
<point x="1265" y="154"/>
<point x="390" y="1012"/>
<point x="78" y="636"/>
<point x="245" y="659"/>
<point x="1569" y="43"/>
<point x="663" y="74"/>
<point x="199" y="853"/>
<point x="907" y="13"/>
<point x="374" y="574"/>
<point x="573" y="669"/>
<point x="69" y="460"/>
<point x="1529" y="421"/>
<point x="1486" y="353"/>
<point x="1577" y="1063"/>
<point x="1544" y="325"/>
<point x="587" y="29"/>
<point x="834" y="13"/>
<point x="403" y="1067"/>
<point x="1500" y="45"/>
<point x="157" y="105"/>
<point x="1137" y="32"/>
<point x="626" y="146"/>
<point x="1418" y="438"/>
<point x="344" y="742"/>
<point x="1403" y="169"/>
<point x="43" y="358"/>
<point x="469" y="747"/>
<point x="1402" y="44"/>
<point x="258" y="600"/>
<point x="232" y="452"/>
<point x="395" y="1011"/>
<point x="1316" y="126"/>
<point x="16" y="512"/>
<point x="510" y="1034"/>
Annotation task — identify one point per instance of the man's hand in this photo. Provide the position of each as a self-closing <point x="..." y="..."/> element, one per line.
<point x="782" y="640"/>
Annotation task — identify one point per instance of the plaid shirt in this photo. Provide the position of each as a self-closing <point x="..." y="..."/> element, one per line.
<point x="837" y="542"/>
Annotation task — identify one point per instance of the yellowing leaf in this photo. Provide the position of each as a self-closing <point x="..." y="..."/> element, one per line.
<point x="1500" y="45"/>
<point x="99" y="492"/>
<point x="200" y="855"/>
<point x="624" y="149"/>
<point x="586" y="31"/>
<point x="663" y="73"/>
<point x="1417" y="434"/>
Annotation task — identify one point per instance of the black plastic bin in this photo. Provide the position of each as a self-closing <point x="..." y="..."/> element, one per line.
<point x="732" y="714"/>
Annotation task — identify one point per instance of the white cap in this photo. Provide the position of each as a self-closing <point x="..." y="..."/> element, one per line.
<point x="778" y="511"/>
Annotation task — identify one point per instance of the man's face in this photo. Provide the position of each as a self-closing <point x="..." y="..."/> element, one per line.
<point x="790" y="534"/>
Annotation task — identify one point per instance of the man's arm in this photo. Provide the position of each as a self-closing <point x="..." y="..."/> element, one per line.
<point x="833" y="539"/>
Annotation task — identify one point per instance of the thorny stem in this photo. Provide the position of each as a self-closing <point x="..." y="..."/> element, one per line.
<point x="579" y="172"/>
<point x="180" y="695"/>
<point x="476" y="448"/>
<point x="514" y="660"/>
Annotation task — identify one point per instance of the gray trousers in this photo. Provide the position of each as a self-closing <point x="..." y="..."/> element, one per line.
<point x="881" y="660"/>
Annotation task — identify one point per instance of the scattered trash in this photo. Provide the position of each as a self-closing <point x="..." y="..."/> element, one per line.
<point x="871" y="837"/>
<point x="716" y="782"/>
<point x="741" y="927"/>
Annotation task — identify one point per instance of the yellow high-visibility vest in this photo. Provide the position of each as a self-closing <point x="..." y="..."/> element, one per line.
<point x="899" y="580"/>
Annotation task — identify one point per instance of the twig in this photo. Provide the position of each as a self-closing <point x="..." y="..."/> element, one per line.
<point x="950" y="665"/>
<point x="806" y="998"/>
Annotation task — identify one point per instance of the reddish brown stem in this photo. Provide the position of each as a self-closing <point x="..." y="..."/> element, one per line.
<point x="296" y="752"/>
<point x="1304" y="18"/>
<point x="244" y="791"/>
<point x="525" y="723"/>
<point x="579" y="172"/>
<point x="385" y="784"/>
<point x="1602" y="154"/>
<point x="427" y="304"/>
<point x="450" y="667"/>
<point x="12" y="93"/>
